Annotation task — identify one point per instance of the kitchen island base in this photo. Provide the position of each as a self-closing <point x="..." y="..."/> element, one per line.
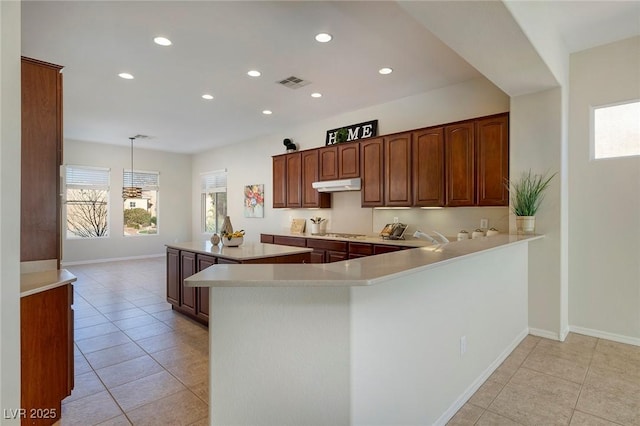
<point x="387" y="353"/>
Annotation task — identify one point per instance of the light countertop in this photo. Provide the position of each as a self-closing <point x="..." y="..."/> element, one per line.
<point x="36" y="282"/>
<point x="246" y="251"/>
<point x="354" y="272"/>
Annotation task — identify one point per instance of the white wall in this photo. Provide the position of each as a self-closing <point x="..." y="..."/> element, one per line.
<point x="10" y="207"/>
<point x="536" y="133"/>
<point x="250" y="162"/>
<point x="406" y="366"/>
<point x="174" y="201"/>
<point x="604" y="200"/>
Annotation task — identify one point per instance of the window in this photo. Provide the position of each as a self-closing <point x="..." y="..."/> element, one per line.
<point x="214" y="200"/>
<point x="87" y="202"/>
<point x="616" y="130"/>
<point x="141" y="214"/>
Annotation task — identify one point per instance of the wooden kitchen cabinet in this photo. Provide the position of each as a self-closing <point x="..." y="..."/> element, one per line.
<point x="397" y="166"/>
<point x="372" y="172"/>
<point x="41" y="157"/>
<point x="294" y="180"/>
<point x="187" y="294"/>
<point x="492" y="154"/>
<point x="46" y="354"/>
<point x="428" y="167"/>
<point x="310" y="173"/>
<point x="357" y="250"/>
<point x="202" y="293"/>
<point x="173" y="276"/>
<point x="340" y="161"/>
<point x="279" y="181"/>
<point x="289" y="241"/>
<point x="459" y="164"/>
<point x="293" y="175"/>
<point x="327" y="251"/>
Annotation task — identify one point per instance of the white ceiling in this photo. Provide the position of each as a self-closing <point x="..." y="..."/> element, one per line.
<point x="216" y="43"/>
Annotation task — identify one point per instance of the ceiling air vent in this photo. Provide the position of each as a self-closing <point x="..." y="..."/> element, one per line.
<point x="293" y="82"/>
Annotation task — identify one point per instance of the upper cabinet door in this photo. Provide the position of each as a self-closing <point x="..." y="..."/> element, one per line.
<point x="41" y="157"/>
<point x="279" y="181"/>
<point x="428" y="167"/>
<point x="397" y="163"/>
<point x="294" y="180"/>
<point x="310" y="196"/>
<point x="372" y="172"/>
<point x="460" y="170"/>
<point x="349" y="161"/>
<point x="328" y="163"/>
<point x="492" y="153"/>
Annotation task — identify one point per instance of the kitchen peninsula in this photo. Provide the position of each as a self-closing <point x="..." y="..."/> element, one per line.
<point x="185" y="259"/>
<point x="399" y="338"/>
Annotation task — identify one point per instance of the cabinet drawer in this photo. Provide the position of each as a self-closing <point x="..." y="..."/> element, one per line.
<point x="289" y="241"/>
<point x="379" y="249"/>
<point x="267" y="239"/>
<point x="327" y="245"/>
<point x="360" y="248"/>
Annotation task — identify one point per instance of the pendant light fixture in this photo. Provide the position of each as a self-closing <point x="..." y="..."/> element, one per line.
<point x="131" y="191"/>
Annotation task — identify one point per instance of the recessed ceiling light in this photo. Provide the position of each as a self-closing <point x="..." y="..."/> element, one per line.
<point x="125" y="75"/>
<point x="316" y="95"/>
<point x="323" y="37"/>
<point x="385" y="71"/>
<point x="162" y="41"/>
<point x="254" y="73"/>
<point x="267" y="112"/>
<point x="207" y="96"/>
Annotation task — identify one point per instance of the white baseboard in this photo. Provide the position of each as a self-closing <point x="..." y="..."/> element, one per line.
<point x="605" y="335"/>
<point x="112" y="259"/>
<point x="468" y="393"/>
<point x="552" y="335"/>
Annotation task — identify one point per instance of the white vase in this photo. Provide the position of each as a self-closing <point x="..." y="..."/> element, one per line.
<point x="526" y="224"/>
<point x="315" y="228"/>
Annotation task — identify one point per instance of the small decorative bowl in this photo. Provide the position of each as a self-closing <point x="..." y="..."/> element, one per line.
<point x="233" y="242"/>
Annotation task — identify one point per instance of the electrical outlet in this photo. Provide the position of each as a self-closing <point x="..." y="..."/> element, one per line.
<point x="463" y="345"/>
<point x="395" y="219"/>
<point x="484" y="223"/>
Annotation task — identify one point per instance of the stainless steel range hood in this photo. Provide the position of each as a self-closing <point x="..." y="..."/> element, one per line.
<point x="338" y="185"/>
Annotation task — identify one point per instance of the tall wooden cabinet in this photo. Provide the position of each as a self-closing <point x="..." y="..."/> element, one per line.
<point x="398" y="176"/>
<point x="372" y="172"/>
<point x="310" y="173"/>
<point x="41" y="158"/>
<point x="460" y="164"/>
<point x="492" y="168"/>
<point x="46" y="317"/>
<point x="428" y="167"/>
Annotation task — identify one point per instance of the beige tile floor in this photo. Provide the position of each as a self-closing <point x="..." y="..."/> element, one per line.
<point x="137" y="362"/>
<point x="581" y="381"/>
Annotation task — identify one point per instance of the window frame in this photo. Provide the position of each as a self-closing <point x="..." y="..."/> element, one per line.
<point x="97" y="186"/>
<point x="592" y="130"/>
<point x="126" y="181"/>
<point x="211" y="182"/>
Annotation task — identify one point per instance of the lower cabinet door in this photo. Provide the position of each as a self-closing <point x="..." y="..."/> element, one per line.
<point x="336" y="256"/>
<point x="317" y="256"/>
<point x="188" y="268"/>
<point x="202" y="293"/>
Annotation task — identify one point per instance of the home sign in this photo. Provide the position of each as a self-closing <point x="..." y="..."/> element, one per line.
<point x="352" y="132"/>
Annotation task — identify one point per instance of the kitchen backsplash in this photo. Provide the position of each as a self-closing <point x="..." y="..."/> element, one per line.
<point x="347" y="215"/>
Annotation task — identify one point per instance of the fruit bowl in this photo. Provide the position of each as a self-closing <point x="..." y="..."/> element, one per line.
<point x="233" y="242"/>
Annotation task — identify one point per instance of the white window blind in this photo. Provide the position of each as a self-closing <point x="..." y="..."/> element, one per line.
<point x="215" y="181"/>
<point x="86" y="177"/>
<point x="144" y="180"/>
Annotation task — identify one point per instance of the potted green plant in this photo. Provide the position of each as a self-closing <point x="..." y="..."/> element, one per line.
<point x="526" y="195"/>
